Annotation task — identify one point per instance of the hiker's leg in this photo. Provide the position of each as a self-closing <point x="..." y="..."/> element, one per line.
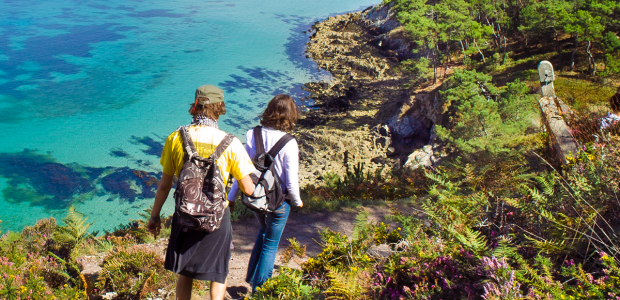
<point x="184" y="288"/>
<point x="258" y="246"/>
<point x="275" y="222"/>
<point x="218" y="290"/>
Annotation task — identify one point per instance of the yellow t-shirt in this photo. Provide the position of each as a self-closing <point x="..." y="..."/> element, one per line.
<point x="234" y="160"/>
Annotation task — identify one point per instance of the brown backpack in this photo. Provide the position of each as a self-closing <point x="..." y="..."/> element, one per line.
<point x="200" y="196"/>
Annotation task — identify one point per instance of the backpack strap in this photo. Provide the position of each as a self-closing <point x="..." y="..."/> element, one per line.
<point x="188" y="145"/>
<point x="260" y="145"/>
<point x="258" y="140"/>
<point x="280" y="144"/>
<point x="226" y="141"/>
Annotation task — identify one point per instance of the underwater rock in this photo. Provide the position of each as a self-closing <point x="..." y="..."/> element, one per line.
<point x="130" y="184"/>
<point x="154" y="147"/>
<point x="38" y="179"/>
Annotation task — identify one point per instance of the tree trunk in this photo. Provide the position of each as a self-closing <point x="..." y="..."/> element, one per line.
<point x="572" y="56"/>
<point x="495" y="37"/>
<point x="558" y="47"/>
<point x="476" y="44"/>
<point x="505" y="51"/>
<point x="434" y="66"/>
<point x="591" y="62"/>
<point x="445" y="70"/>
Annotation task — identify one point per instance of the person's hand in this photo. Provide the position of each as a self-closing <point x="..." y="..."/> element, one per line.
<point x="296" y="208"/>
<point x="154" y="226"/>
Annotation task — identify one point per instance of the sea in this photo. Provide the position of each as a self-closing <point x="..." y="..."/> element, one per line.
<point x="90" y="89"/>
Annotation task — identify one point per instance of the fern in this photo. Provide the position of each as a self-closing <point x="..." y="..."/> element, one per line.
<point x="504" y="248"/>
<point x="146" y="286"/>
<point x="472" y="240"/>
<point x="549" y="246"/>
<point x="109" y="270"/>
<point x="361" y="226"/>
<point x="75" y="230"/>
<point x="146" y="213"/>
<point x="547" y="185"/>
<point x="344" y="285"/>
<point x="75" y="269"/>
<point x="294" y="249"/>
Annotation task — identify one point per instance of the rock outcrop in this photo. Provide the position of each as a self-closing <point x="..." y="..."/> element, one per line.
<point x="390" y="35"/>
<point x="367" y="113"/>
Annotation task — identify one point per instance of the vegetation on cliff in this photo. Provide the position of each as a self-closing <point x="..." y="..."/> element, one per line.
<point x="499" y="218"/>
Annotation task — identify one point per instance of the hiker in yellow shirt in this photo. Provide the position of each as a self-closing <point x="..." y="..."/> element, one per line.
<point x="195" y="254"/>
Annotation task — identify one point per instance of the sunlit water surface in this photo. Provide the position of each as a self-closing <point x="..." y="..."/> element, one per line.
<point x="90" y="89"/>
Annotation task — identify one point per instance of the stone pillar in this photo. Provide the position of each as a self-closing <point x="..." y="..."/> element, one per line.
<point x="545" y="72"/>
<point x="552" y="110"/>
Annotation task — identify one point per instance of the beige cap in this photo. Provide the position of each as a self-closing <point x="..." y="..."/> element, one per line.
<point x="211" y="92"/>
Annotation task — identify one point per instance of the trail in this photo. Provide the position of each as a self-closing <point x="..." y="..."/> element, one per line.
<point x="302" y="226"/>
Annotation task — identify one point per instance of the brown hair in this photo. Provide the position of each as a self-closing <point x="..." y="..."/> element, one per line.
<point x="281" y="113"/>
<point x="614" y="102"/>
<point x="212" y="111"/>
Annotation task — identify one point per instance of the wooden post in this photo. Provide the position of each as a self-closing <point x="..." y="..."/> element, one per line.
<point x="559" y="134"/>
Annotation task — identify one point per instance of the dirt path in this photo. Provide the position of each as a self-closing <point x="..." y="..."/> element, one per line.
<point x="302" y="226"/>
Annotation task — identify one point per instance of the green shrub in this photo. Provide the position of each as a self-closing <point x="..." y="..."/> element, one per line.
<point x="420" y="70"/>
<point x="289" y="284"/>
<point x="127" y="268"/>
<point x="484" y="119"/>
<point x="27" y="269"/>
<point x="241" y="212"/>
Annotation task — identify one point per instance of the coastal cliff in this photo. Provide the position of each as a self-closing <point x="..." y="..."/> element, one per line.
<point x="367" y="113"/>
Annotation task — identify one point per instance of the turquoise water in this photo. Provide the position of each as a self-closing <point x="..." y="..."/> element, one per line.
<point x="89" y="90"/>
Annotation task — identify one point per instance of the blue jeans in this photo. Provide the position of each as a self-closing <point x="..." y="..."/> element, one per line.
<point x="263" y="256"/>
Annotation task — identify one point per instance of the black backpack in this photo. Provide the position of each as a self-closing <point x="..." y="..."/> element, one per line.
<point x="268" y="194"/>
<point x="200" y="196"/>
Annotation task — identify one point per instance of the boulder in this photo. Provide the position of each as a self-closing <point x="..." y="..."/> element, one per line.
<point x="421" y="158"/>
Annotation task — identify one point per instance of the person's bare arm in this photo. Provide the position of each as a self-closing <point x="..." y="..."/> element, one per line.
<point x="246" y="185"/>
<point x="163" y="190"/>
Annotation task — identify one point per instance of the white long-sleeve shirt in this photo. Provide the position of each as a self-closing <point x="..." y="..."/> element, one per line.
<point x="609" y="119"/>
<point x="286" y="162"/>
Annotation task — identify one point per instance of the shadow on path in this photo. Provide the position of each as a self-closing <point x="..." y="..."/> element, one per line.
<point x="302" y="226"/>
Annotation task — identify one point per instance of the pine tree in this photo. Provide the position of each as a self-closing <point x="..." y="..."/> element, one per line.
<point x="485" y="119"/>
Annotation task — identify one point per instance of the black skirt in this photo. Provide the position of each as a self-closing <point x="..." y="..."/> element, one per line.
<point x="200" y="255"/>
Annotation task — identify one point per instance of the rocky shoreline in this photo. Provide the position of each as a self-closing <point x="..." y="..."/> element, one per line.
<point x="367" y="113"/>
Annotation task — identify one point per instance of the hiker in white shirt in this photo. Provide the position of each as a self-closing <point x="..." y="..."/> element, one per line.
<point x="279" y="117"/>
<point x="613" y="117"/>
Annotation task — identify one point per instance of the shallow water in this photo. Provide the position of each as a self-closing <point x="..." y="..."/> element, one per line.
<point x="90" y="89"/>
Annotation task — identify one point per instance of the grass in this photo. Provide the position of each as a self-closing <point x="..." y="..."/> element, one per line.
<point x="583" y="95"/>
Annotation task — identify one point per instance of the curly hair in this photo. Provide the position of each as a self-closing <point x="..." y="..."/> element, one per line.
<point x="281" y="113"/>
<point x="212" y="111"/>
<point x="614" y="102"/>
